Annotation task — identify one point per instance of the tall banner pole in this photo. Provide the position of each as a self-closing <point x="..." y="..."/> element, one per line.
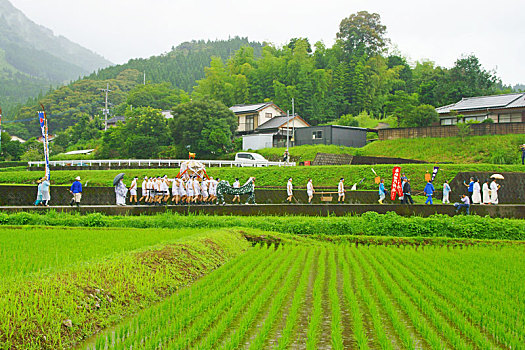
<point x="396" y="183"/>
<point x="43" y="127"/>
<point x="434" y="173"/>
<point x="0" y="130"/>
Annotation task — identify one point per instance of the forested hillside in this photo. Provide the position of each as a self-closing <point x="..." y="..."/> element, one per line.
<point x="32" y="58"/>
<point x="184" y="64"/>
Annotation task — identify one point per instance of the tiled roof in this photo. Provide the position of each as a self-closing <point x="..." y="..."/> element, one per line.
<point x="241" y="109"/>
<point x="485" y="102"/>
<point x="274" y="123"/>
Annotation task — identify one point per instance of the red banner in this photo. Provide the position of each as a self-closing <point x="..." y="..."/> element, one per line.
<point x="396" y="183"/>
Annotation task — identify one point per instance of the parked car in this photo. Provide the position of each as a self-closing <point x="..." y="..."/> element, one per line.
<point x="250" y="159"/>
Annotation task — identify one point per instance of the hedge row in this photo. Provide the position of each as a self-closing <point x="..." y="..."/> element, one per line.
<point x="369" y="224"/>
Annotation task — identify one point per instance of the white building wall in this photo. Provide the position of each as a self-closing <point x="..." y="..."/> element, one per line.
<point x="257" y="141"/>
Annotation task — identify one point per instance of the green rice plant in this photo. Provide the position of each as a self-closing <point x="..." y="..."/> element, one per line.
<point x="418" y="320"/>
<point x="390" y="309"/>
<point x="270" y="277"/>
<point x="256" y="306"/>
<point x="313" y="332"/>
<point x="481" y="301"/>
<point x="336" y="330"/>
<point x="350" y="294"/>
<point x="297" y="302"/>
<point x="279" y="300"/>
<point x="377" y="322"/>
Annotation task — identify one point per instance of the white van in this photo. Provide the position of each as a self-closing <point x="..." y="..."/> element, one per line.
<point x="250" y="159"/>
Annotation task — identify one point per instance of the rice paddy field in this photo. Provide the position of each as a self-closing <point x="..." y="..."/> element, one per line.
<point x="326" y="296"/>
<point x="245" y="288"/>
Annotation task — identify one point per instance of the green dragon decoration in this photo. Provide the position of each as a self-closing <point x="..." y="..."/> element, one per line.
<point x="224" y="187"/>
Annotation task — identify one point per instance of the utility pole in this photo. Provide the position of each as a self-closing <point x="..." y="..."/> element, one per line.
<point x="293" y="122"/>
<point x="287" y="130"/>
<point x="106" y="110"/>
<point x="144" y="77"/>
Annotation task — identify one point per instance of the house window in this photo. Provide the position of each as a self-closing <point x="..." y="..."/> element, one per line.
<point x="268" y="115"/>
<point x="317" y="135"/>
<point x="249" y="123"/>
<point x="449" y="121"/>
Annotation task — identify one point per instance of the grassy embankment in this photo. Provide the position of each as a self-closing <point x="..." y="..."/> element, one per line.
<point x="60" y="285"/>
<point x="493" y="149"/>
<point x="272" y="176"/>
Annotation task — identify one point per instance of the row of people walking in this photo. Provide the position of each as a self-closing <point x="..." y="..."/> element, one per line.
<point x="161" y="190"/>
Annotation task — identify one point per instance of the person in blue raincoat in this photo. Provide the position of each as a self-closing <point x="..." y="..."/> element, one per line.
<point x="39" y="192"/>
<point x="429" y="191"/>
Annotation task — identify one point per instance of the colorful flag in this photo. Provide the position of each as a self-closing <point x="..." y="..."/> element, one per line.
<point x="396" y="183"/>
<point x="43" y="127"/>
<point x="434" y="173"/>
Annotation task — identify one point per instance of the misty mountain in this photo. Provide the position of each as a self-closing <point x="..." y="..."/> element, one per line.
<point x="32" y="58"/>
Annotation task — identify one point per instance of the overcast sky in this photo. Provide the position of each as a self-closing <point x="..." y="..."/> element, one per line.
<point x="440" y="31"/>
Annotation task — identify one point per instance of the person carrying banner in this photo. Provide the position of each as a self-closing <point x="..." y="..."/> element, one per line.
<point x="133" y="191"/>
<point x="407" y="195"/>
<point x="46" y="197"/>
<point x="429" y="191"/>
<point x="310" y="191"/>
<point x="289" y="191"/>
<point x="446" y="193"/>
<point x="38" y="192"/>
<point x="76" y="191"/>
<point x="382" y="191"/>
<point x="341" y="191"/>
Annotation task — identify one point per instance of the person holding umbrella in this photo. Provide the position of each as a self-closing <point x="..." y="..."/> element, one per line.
<point x="494" y="187"/>
<point x="120" y="189"/>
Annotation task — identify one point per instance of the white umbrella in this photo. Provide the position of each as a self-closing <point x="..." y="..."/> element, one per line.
<point x="497" y="176"/>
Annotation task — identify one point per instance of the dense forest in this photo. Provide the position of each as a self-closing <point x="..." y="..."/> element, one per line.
<point x="359" y="75"/>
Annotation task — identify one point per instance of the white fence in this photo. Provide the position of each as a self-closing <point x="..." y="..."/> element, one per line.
<point x="158" y="162"/>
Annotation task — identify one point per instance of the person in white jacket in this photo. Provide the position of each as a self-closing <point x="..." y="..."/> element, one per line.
<point x="310" y="190"/>
<point x="341" y="191"/>
<point x="289" y="190"/>
<point x="237" y="198"/>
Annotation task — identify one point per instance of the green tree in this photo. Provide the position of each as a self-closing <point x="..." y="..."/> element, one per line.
<point x="160" y="96"/>
<point x="401" y="104"/>
<point x="362" y="33"/>
<point x="422" y="115"/>
<point x="205" y="127"/>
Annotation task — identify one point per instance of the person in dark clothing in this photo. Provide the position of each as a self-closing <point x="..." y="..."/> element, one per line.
<point x="407" y="189"/>
<point x="522" y="154"/>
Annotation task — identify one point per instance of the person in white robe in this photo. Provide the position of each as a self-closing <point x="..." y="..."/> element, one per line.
<point x="485" y="189"/>
<point x="494" y="187"/>
<point x="476" y="193"/>
<point x="121" y="191"/>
